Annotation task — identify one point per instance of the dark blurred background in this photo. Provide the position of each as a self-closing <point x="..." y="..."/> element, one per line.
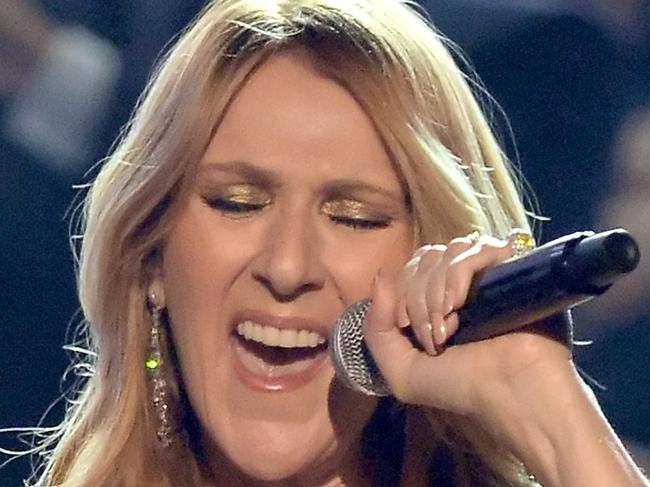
<point x="573" y="77"/>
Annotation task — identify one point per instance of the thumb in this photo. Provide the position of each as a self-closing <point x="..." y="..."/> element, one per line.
<point x="391" y="350"/>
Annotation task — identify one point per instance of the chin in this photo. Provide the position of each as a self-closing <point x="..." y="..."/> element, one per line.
<point x="277" y="458"/>
<point x="303" y="433"/>
<point x="294" y="448"/>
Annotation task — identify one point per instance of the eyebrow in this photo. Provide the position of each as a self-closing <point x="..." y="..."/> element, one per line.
<point x="335" y="188"/>
<point x="341" y="188"/>
<point x="242" y="168"/>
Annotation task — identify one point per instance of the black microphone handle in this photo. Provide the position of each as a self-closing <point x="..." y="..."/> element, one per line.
<point x="550" y="279"/>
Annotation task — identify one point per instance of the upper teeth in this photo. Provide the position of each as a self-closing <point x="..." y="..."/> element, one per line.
<point x="275" y="337"/>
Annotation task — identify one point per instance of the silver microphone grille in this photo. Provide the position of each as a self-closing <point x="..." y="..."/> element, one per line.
<point x="353" y="364"/>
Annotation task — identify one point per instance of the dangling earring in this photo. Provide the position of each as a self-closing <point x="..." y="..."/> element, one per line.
<point x="154" y="363"/>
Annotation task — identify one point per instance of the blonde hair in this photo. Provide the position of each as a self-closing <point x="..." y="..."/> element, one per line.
<point x="401" y="71"/>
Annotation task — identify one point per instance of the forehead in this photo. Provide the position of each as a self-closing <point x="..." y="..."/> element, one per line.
<point x="288" y="116"/>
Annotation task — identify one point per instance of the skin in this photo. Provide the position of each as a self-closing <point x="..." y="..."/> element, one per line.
<point x="311" y="221"/>
<point x="298" y="255"/>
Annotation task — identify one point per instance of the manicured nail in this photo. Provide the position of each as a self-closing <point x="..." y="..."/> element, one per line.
<point x="428" y="344"/>
<point x="447" y="305"/>
<point x="402" y="316"/>
<point x="440" y="333"/>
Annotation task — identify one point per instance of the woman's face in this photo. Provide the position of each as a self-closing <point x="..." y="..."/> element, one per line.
<point x="294" y="210"/>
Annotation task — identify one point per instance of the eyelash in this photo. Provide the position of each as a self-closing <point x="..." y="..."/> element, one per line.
<point x="226" y="205"/>
<point x="358" y="223"/>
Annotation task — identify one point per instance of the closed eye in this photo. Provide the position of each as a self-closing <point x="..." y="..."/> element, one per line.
<point x="228" y="205"/>
<point x="359" y="223"/>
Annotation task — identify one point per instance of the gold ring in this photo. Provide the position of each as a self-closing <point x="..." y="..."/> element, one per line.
<point x="521" y="241"/>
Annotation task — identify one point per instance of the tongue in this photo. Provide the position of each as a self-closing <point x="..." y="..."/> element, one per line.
<point x="274" y="362"/>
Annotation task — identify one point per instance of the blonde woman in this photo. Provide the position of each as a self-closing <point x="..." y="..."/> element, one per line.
<point x="289" y="158"/>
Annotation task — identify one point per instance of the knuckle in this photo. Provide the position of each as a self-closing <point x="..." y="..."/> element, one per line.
<point x="488" y="242"/>
<point x="407" y="272"/>
<point x="421" y="300"/>
<point x="426" y="253"/>
<point x="460" y="241"/>
<point x="422" y="250"/>
<point x="430" y="257"/>
<point x="438" y="247"/>
<point x="493" y="241"/>
<point x="412" y="262"/>
<point x="415" y="302"/>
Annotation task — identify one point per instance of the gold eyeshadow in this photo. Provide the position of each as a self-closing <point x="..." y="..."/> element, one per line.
<point x="241" y="199"/>
<point x="243" y="193"/>
<point x="351" y="209"/>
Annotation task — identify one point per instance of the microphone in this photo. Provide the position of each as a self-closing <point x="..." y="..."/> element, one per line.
<point x="545" y="281"/>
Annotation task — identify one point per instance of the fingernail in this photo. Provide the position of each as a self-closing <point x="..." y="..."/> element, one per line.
<point x="402" y="316"/>
<point x="403" y="324"/>
<point x="428" y="340"/>
<point x="440" y="333"/>
<point x="447" y="305"/>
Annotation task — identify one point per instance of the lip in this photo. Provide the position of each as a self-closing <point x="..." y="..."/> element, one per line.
<point x="287" y="382"/>
<point x="284" y="383"/>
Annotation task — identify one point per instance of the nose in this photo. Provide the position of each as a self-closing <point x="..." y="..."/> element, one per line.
<point x="289" y="263"/>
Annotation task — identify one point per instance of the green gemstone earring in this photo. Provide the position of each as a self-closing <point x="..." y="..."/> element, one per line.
<point x="153" y="365"/>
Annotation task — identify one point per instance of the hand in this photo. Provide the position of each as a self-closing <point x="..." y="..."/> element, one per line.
<point x="521" y="387"/>
<point x="425" y="296"/>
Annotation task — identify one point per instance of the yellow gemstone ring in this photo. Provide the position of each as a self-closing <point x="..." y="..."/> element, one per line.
<point x="520" y="241"/>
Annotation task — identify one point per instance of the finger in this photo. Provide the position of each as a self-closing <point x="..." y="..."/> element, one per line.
<point x="451" y="323"/>
<point x="406" y="278"/>
<point x="460" y="276"/>
<point x="391" y="350"/>
<point x="415" y="299"/>
<point x="436" y="290"/>
<point x="406" y="274"/>
<point x="411" y="267"/>
<point x="463" y="268"/>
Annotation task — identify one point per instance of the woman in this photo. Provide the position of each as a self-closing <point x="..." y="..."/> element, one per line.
<point x="290" y="158"/>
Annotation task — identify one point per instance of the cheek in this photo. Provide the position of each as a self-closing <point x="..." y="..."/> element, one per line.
<point x="201" y="261"/>
<point x="199" y="266"/>
<point x="356" y="261"/>
<point x="192" y="274"/>
<point x="395" y="251"/>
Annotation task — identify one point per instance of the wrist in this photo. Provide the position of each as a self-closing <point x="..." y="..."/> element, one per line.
<point x="530" y="415"/>
<point x="556" y="428"/>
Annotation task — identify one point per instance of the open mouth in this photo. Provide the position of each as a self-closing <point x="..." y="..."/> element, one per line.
<point x="275" y="359"/>
<point x="280" y="356"/>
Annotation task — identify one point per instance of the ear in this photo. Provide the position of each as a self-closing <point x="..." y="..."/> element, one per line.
<point x="156" y="291"/>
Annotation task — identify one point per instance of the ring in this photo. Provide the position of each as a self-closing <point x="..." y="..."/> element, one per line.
<point x="474" y="237"/>
<point x="520" y="241"/>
